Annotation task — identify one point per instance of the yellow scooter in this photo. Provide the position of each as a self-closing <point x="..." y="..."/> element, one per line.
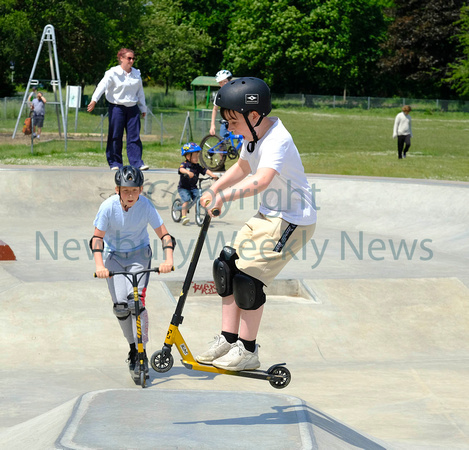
<point x="162" y="361"/>
<point x="139" y="375"/>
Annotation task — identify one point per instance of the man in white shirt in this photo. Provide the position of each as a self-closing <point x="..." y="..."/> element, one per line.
<point x="124" y="92"/>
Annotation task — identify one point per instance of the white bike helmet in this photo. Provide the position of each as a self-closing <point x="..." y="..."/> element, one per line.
<point x="222" y="75"/>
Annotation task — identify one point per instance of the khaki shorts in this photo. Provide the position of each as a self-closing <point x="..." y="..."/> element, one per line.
<point x="261" y="255"/>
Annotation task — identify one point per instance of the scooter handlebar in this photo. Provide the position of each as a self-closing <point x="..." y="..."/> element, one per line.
<point x="154" y="269"/>
<point x="215" y="211"/>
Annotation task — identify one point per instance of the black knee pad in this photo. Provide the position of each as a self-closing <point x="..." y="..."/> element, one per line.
<point x="224" y="269"/>
<point x="131" y="304"/>
<point x="248" y="291"/>
<point x="121" y="311"/>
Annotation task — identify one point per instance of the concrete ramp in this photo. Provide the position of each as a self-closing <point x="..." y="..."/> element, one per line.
<point x="129" y="418"/>
<point x="371" y="318"/>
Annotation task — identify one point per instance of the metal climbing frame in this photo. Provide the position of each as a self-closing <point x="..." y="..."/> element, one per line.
<point x="48" y="35"/>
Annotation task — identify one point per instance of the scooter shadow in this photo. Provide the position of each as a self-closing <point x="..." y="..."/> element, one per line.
<point x="166" y="377"/>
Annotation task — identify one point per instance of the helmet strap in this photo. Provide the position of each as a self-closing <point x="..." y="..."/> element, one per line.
<point x="126" y="208"/>
<point x="252" y="144"/>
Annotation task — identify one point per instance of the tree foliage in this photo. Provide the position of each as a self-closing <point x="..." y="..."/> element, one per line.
<point x="459" y="78"/>
<point x="312" y="46"/>
<point x="173" y="47"/>
<point x="364" y="47"/>
<point x="421" y="46"/>
<point x="212" y="16"/>
<point x="88" y="35"/>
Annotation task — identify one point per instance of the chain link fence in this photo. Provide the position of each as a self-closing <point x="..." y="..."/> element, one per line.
<point x="167" y="121"/>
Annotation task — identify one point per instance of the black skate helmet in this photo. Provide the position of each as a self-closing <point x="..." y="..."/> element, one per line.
<point x="129" y="176"/>
<point x="244" y="95"/>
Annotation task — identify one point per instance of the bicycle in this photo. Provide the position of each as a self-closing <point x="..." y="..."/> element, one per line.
<point x="216" y="149"/>
<point x="200" y="211"/>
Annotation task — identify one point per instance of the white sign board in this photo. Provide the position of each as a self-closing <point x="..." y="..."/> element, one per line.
<point x="74" y="99"/>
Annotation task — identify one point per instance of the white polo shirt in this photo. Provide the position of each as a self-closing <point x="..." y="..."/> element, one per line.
<point x="122" y="88"/>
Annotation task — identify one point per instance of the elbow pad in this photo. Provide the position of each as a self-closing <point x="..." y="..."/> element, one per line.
<point x="94" y="250"/>
<point x="173" y="242"/>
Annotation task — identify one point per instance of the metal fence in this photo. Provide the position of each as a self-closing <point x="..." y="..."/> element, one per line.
<point x="160" y="125"/>
<point x="165" y="121"/>
<point x="367" y="103"/>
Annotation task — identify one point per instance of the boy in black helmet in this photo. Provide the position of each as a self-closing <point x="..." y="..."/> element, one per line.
<point x="121" y="232"/>
<point x="286" y="216"/>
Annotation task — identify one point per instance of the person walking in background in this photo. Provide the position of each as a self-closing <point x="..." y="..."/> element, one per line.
<point x="222" y="77"/>
<point x="39" y="110"/>
<point x="403" y="131"/>
<point x="124" y="92"/>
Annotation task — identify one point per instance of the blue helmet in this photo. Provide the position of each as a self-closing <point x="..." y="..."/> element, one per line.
<point x="190" y="147"/>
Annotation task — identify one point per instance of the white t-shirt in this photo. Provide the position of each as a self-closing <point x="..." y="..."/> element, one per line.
<point x="122" y="88"/>
<point x="288" y="195"/>
<point x="126" y="231"/>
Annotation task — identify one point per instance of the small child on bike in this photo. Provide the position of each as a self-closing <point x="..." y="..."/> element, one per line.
<point x="270" y="166"/>
<point x="189" y="172"/>
<point x="121" y="235"/>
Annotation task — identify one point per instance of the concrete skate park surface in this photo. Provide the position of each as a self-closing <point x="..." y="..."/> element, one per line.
<point x="372" y="319"/>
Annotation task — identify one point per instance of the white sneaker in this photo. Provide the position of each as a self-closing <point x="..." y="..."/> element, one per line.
<point x="144" y="167"/>
<point x="219" y="348"/>
<point x="114" y="168"/>
<point x="238" y="358"/>
<point x="185" y="220"/>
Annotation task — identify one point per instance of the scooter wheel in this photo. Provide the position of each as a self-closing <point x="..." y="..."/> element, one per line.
<point x="161" y="362"/>
<point x="282" y="377"/>
<point x="143" y="379"/>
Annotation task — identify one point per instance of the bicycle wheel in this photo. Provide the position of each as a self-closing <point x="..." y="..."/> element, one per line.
<point x="200" y="213"/>
<point x="213" y="154"/>
<point x="176" y="210"/>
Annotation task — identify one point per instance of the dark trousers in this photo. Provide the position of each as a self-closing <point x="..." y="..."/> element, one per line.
<point x="124" y="118"/>
<point x="403" y="144"/>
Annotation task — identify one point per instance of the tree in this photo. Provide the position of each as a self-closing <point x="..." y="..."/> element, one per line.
<point x="315" y="46"/>
<point x="213" y="17"/>
<point x="15" y="35"/>
<point x="88" y="35"/>
<point x="459" y="78"/>
<point x="421" y="47"/>
<point x="173" y="48"/>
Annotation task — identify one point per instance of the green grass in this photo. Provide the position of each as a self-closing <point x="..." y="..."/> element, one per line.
<point x="360" y="143"/>
<point x="330" y="141"/>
